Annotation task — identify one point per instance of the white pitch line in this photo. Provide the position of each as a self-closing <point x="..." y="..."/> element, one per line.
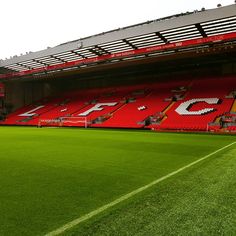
<point x="79" y="220"/>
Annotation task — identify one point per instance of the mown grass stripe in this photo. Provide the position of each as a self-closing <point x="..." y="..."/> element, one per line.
<point x="91" y="214"/>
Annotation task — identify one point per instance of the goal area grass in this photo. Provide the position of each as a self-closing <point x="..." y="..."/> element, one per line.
<point x="50" y="177"/>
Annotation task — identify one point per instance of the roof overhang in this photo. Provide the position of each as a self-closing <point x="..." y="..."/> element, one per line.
<point x="154" y="38"/>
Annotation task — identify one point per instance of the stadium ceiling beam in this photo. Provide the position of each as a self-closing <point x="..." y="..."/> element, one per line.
<point x="78" y="54"/>
<point x="162" y="37"/>
<point x="102" y="49"/>
<point x="201" y="30"/>
<point x="95" y="52"/>
<point x="40" y="62"/>
<point x="57" y="58"/>
<point x="25" y="66"/>
<point x="13" y="68"/>
<point x="99" y="51"/>
<point x="129" y="43"/>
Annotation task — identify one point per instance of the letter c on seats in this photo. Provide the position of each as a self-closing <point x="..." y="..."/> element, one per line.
<point x="183" y="108"/>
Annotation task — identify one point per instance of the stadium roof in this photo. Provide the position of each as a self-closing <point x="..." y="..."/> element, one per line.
<point x="154" y="37"/>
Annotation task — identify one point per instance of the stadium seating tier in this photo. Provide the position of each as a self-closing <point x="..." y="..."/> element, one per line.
<point x="177" y="104"/>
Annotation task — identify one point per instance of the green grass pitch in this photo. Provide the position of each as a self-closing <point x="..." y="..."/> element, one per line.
<point x="50" y="177"/>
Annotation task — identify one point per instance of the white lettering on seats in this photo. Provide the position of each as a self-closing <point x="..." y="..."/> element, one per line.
<point x="183" y="108"/>
<point x="29" y="113"/>
<point x="97" y="107"/>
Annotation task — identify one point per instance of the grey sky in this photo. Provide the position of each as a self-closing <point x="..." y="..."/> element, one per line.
<point x="31" y="25"/>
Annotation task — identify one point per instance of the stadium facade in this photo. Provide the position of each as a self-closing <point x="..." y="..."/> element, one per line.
<point x="186" y="63"/>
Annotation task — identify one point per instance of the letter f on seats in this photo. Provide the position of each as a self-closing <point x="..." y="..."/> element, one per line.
<point x="97" y="107"/>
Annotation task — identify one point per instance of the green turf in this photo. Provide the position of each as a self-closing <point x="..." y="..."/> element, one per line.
<point x="49" y="177"/>
<point x="199" y="201"/>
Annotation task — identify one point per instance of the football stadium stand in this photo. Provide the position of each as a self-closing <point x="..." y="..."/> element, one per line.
<point x="192" y="105"/>
<point x="174" y="73"/>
